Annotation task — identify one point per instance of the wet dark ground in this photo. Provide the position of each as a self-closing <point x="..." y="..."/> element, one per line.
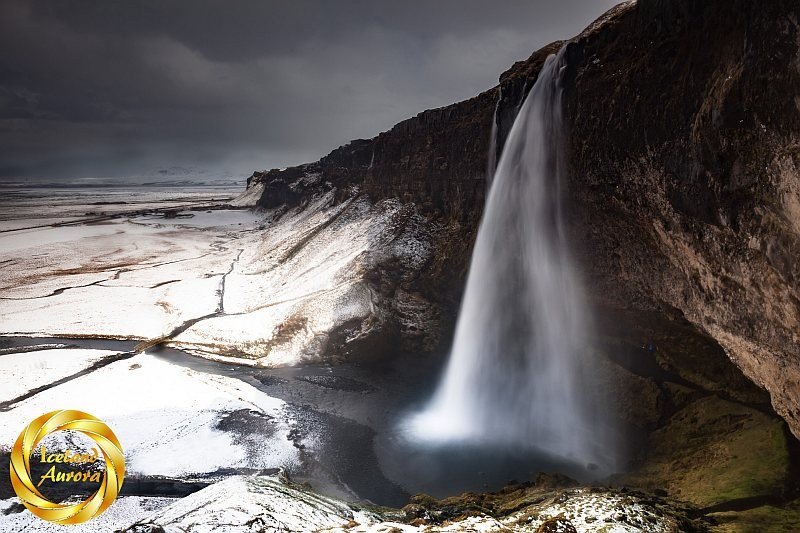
<point x="348" y="419"/>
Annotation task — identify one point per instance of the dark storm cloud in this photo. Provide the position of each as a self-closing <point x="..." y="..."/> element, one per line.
<point x="105" y="88"/>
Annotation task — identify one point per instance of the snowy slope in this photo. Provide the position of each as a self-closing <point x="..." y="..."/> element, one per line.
<point x="168" y="418"/>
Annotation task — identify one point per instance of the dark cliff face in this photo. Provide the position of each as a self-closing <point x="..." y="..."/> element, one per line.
<point x="437" y="160"/>
<point x="685" y="121"/>
<point x="684" y="192"/>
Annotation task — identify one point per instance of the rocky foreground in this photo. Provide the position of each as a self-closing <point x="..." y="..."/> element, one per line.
<point x="550" y="505"/>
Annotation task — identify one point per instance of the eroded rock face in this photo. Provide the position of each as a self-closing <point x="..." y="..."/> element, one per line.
<point x="685" y="181"/>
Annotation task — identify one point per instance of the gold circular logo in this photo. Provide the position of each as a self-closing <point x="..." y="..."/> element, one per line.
<point x="26" y="489"/>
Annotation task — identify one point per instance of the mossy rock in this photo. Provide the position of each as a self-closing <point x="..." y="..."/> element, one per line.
<point x="764" y="519"/>
<point x="632" y="399"/>
<point x="559" y="524"/>
<point x="715" y="451"/>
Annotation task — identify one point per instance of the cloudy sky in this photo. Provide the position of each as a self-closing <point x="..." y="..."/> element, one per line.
<point x="125" y="88"/>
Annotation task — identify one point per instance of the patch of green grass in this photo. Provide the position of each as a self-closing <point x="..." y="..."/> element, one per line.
<point x="714" y="451"/>
<point x="765" y="519"/>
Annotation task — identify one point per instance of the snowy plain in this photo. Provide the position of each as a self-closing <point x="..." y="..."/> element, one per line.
<point x="128" y="270"/>
<point x="109" y="286"/>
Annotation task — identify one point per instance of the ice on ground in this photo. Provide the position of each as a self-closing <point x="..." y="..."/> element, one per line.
<point x="23" y="372"/>
<point x="121" y="513"/>
<point x="168" y="417"/>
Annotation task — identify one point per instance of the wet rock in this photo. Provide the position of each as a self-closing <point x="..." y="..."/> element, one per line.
<point x="341" y="383"/>
<point x="554" y="481"/>
<point x="685" y="182"/>
<point x="713" y="451"/>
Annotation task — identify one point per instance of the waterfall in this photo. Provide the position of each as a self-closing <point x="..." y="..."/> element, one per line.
<point x="519" y="373"/>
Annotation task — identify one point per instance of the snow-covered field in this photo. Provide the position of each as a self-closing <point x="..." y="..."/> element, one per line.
<point x="170" y="419"/>
<point x="265" y="288"/>
<point x="135" y="276"/>
<point x="38" y="204"/>
<point x="22" y="372"/>
<point x="166" y="416"/>
<point x="260" y="288"/>
<point x="123" y="512"/>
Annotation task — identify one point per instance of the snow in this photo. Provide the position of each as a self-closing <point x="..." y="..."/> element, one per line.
<point x="91" y="282"/>
<point x="272" y="504"/>
<point x="28" y="239"/>
<point x="290" y="279"/>
<point x="123" y="512"/>
<point x="45" y="203"/>
<point x="166" y="417"/>
<point x="30" y="223"/>
<point x="588" y="511"/>
<point x="256" y="504"/>
<point x="250" y="197"/>
<point x="42" y="367"/>
<point x="305" y="277"/>
<point x="108" y="312"/>
<point x="217" y="218"/>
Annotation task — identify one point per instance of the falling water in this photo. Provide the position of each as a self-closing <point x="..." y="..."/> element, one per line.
<point x="519" y="372"/>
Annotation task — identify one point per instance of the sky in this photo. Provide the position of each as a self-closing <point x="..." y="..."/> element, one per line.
<point x="220" y="88"/>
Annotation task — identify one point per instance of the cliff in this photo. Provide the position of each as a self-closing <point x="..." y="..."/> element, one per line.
<point x="684" y="211"/>
<point x="685" y="184"/>
<point x="685" y="190"/>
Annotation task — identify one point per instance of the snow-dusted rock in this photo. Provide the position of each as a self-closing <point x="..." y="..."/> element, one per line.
<point x="124" y="511"/>
<point x="261" y="504"/>
<point x="250" y="197"/>
<point x="240" y="504"/>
